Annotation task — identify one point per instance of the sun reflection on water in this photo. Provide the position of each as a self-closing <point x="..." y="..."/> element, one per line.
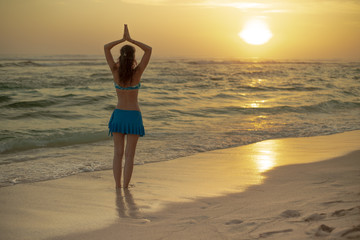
<point x="256" y="104"/>
<point x="264" y="156"/>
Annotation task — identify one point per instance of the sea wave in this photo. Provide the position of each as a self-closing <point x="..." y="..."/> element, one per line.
<point x="254" y="61"/>
<point x="4" y="98"/>
<point x="32" y="104"/>
<point x="46" y="114"/>
<point x="271" y="89"/>
<point x="31" y="63"/>
<point x="86" y="100"/>
<point x="20" y="64"/>
<point x="330" y="107"/>
<point x="53" y="106"/>
<point x="45" y="140"/>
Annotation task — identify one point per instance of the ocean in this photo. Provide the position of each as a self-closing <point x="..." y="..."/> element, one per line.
<point x="55" y="109"/>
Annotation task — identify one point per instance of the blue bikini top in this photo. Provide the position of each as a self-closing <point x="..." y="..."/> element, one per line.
<point x="127" y="88"/>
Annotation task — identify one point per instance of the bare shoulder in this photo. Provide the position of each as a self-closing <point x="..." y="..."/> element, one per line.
<point x="115" y="67"/>
<point x="137" y="74"/>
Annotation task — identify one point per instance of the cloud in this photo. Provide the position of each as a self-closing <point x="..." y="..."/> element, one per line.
<point x="243" y="5"/>
<point x="204" y="3"/>
<point x="259" y="6"/>
<point x="264" y="6"/>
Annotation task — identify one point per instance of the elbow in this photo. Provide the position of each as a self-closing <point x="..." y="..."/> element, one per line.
<point x="149" y="50"/>
<point x="106" y="47"/>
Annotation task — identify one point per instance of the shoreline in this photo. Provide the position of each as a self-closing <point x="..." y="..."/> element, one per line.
<point x="102" y="150"/>
<point x="181" y="190"/>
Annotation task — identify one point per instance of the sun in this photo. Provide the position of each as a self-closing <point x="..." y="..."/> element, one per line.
<point x="256" y="32"/>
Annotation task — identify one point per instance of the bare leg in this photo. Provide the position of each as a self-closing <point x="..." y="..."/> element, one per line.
<point x="119" y="139"/>
<point x="131" y="141"/>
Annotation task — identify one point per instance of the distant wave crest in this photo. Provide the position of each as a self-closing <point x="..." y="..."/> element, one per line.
<point x="31" y="63"/>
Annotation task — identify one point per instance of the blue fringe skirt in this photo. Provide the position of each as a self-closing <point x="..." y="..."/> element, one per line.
<point x="126" y="122"/>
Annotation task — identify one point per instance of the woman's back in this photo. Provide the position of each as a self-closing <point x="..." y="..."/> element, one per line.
<point x="127" y="95"/>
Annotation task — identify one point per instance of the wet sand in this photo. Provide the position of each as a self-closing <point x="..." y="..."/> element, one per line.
<point x="296" y="188"/>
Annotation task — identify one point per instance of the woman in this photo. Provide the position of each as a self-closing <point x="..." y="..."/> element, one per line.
<point x="126" y="118"/>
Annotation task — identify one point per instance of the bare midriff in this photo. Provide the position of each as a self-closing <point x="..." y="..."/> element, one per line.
<point x="128" y="99"/>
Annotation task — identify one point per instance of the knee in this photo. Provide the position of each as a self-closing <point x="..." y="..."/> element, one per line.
<point x="118" y="153"/>
<point x="129" y="155"/>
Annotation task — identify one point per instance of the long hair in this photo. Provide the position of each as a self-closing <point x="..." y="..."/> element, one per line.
<point x="127" y="64"/>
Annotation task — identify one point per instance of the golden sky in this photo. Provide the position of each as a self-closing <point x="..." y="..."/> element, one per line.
<point x="301" y="29"/>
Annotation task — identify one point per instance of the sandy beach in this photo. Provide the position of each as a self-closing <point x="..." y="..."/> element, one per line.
<point x="248" y="112"/>
<point x="294" y="188"/>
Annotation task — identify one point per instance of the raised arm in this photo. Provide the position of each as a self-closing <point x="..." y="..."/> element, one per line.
<point x="146" y="57"/>
<point x="108" y="55"/>
<point x="147" y="50"/>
